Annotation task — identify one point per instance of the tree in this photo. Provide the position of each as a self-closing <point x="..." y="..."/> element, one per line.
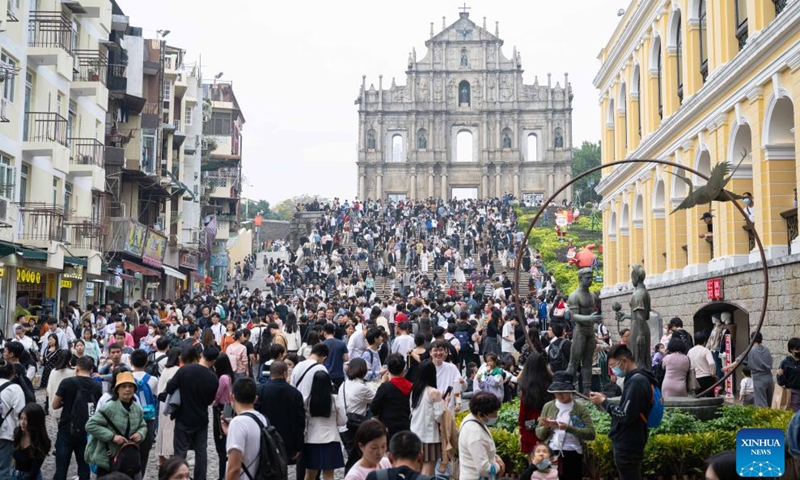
<point x="287" y="208"/>
<point x="584" y="158"/>
<point x="250" y="208"/>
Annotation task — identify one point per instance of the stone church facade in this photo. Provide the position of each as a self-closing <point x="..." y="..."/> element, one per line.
<point x="464" y="124"/>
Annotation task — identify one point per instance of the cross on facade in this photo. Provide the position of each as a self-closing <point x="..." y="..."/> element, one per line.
<point x="464" y="8"/>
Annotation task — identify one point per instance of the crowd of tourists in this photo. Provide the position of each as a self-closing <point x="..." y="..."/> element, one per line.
<point x="313" y="368"/>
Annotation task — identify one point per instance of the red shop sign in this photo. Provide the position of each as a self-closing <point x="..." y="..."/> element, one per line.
<point x="714" y="288"/>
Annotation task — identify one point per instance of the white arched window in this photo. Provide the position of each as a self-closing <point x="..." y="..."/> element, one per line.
<point x="533" y="148"/>
<point x="464" y="149"/>
<point x="397" y="148"/>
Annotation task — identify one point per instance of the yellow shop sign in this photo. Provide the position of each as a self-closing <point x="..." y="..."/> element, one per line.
<point x="28" y="276"/>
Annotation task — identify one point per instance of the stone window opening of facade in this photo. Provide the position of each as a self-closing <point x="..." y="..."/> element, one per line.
<point x="533" y="147"/>
<point x="558" y="138"/>
<point x="422" y="139"/>
<point x="464" y="147"/>
<point x="397" y="148"/>
<point x="464" y="93"/>
<point x="703" y="39"/>
<point x="741" y="22"/>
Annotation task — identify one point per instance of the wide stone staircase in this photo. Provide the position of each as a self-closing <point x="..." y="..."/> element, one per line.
<point x="383" y="289"/>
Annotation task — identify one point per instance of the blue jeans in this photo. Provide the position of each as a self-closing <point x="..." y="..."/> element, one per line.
<point x="66" y="445"/>
<point x="6" y="447"/>
<point x="17" y="475"/>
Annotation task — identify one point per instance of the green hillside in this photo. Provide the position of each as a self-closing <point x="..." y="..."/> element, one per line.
<point x="554" y="253"/>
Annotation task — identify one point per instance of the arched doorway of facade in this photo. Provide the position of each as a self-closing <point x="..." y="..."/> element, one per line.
<point x="739" y="328"/>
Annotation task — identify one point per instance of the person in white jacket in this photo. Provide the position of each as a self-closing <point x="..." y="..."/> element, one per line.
<point x="476" y="450"/>
<point x="323" y="451"/>
<point x="427" y="407"/>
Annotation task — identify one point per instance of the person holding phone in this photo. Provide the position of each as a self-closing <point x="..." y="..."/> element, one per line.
<point x="427" y="408"/>
<point x="565" y="425"/>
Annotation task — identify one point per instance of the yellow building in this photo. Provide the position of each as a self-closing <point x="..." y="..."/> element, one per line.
<point x="700" y="82"/>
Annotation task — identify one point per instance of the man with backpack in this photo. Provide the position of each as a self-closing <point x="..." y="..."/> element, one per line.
<point x="12" y="401"/>
<point x="559" y="349"/>
<point x="631" y="418"/>
<point x="78" y="397"/>
<point x="147" y="393"/>
<point x="250" y="454"/>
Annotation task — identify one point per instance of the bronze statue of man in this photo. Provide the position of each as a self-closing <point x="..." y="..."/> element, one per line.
<point x="639" y="315"/>
<point x="584" y="316"/>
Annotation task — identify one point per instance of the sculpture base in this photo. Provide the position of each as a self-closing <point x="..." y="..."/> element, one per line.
<point x="702" y="408"/>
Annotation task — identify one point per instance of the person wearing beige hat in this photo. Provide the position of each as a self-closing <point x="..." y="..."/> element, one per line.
<point x="116" y="423"/>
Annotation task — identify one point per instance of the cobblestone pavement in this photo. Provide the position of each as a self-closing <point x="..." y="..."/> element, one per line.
<point x="49" y="468"/>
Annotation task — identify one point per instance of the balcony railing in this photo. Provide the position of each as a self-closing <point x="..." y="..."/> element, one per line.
<point x="780" y="5"/>
<point x="87" y="151"/>
<point x="150" y="109"/>
<point x="41" y="221"/>
<point x="791" y="225"/>
<point x="45" y="127"/>
<point x="92" y="66"/>
<point x="117" y="77"/>
<point x="85" y="233"/>
<point x="50" y="29"/>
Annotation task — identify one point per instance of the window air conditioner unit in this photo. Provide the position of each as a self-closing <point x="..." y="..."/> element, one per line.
<point x="4" y="110"/>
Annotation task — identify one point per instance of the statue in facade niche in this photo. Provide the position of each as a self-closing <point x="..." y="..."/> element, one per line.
<point x="422" y="141"/>
<point x="370" y="140"/>
<point x="464" y="61"/>
<point x="639" y="315"/>
<point x="506" y="140"/>
<point x="464" y="97"/>
<point x="584" y="316"/>
<point x="559" y="139"/>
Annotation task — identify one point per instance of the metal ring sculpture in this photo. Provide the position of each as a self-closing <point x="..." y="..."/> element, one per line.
<point x="524" y="244"/>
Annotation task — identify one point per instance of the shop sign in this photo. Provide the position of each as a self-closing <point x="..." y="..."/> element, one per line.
<point x="714" y="288"/>
<point x="89" y="289"/>
<point x="50" y="287"/>
<point x="73" y="273"/>
<point x="66" y="283"/>
<point x="28" y="276"/>
<point x="154" y="248"/>
<point x="135" y="241"/>
<point x="188" y="260"/>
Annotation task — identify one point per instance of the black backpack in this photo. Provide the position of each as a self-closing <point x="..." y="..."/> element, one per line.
<point x="555" y="356"/>
<point x="127" y="459"/>
<point x="83" y="406"/>
<point x="451" y="266"/>
<point x="152" y="366"/>
<point x="272" y="456"/>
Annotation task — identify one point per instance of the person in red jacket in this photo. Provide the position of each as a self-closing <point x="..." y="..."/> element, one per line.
<point x="534" y="382"/>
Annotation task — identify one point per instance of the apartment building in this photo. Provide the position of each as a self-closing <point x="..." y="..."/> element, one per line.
<point x="53" y="67"/>
<point x="698" y="83"/>
<point x="223" y="122"/>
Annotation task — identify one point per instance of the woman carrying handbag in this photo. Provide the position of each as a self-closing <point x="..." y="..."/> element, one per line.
<point x="116" y="430"/>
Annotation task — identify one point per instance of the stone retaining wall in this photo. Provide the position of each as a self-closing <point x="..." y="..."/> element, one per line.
<point x="743" y="289"/>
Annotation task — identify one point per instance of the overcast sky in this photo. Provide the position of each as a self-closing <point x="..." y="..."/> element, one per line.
<point x="296" y="68"/>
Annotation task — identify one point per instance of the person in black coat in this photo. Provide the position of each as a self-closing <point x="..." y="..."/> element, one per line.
<point x="282" y="404"/>
<point x="390" y="404"/>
